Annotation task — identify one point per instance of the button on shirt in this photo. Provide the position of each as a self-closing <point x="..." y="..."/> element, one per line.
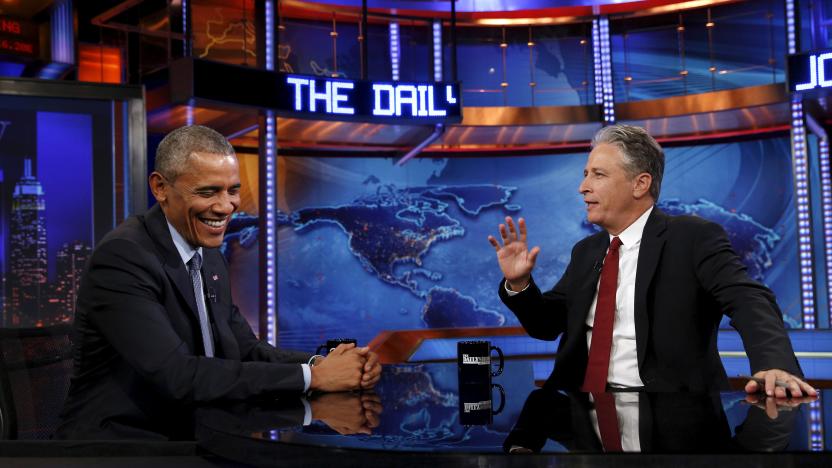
<point x="186" y="251"/>
<point x="623" y="371"/>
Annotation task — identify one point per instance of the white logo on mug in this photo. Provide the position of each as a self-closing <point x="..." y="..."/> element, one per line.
<point x="478" y="406"/>
<point x="476" y="360"/>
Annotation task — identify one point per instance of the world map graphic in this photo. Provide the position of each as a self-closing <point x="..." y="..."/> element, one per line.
<point x="408" y="256"/>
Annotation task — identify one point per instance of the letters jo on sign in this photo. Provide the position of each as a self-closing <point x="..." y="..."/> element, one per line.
<point x="368" y="100"/>
<point x="810" y="72"/>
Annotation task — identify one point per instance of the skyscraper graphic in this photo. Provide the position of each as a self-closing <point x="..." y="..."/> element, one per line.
<point x="71" y="259"/>
<point x="28" y="274"/>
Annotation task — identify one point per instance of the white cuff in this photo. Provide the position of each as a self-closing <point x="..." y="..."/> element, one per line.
<point x="307" y="412"/>
<point x="514" y="293"/>
<point x="307" y="376"/>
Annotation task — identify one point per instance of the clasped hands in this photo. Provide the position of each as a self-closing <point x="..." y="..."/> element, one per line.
<point x="346" y="368"/>
<point x="347" y="412"/>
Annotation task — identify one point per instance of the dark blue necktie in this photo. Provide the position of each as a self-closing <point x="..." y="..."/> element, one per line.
<point x="196" y="279"/>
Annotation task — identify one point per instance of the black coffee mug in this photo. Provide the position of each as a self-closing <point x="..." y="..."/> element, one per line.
<point x="476" y="407"/>
<point x="474" y="361"/>
<point x="333" y="343"/>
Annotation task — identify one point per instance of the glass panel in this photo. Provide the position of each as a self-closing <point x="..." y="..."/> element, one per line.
<point x="224" y="31"/>
<point x="730" y="46"/>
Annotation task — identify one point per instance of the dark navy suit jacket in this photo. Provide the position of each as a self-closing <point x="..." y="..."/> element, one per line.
<point x="687" y="277"/>
<point x="139" y="364"/>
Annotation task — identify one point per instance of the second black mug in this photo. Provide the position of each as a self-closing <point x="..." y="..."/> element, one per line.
<point x="474" y="361"/>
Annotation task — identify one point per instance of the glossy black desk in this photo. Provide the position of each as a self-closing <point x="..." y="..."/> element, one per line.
<point x="414" y="420"/>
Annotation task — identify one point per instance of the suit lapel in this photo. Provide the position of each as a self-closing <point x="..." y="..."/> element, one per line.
<point x="591" y="270"/>
<point x="650" y="252"/>
<point x="157" y="226"/>
<point x="214" y="273"/>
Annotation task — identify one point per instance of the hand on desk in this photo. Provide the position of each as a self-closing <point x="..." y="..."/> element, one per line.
<point x="348" y="413"/>
<point x="346" y="368"/>
<point x="372" y="370"/>
<point x="773" y="406"/>
<point x="775" y="382"/>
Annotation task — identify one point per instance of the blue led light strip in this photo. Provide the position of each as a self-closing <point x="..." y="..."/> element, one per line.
<point x="596" y="61"/>
<point x="270" y="190"/>
<point x="437" y="50"/>
<point x="815" y="426"/>
<point x="603" y="67"/>
<point x="269" y="34"/>
<point x="606" y="70"/>
<point x="395" y="53"/>
<point x="826" y="204"/>
<point x="185" y="51"/>
<point x="804" y="222"/>
<point x="791" y="29"/>
<point x="269" y="238"/>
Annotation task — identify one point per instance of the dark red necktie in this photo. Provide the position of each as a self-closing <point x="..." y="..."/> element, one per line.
<point x="598" y="364"/>
<point x="607" y="420"/>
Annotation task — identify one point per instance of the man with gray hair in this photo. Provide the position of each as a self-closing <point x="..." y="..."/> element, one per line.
<point x="639" y="304"/>
<point x="156" y="329"/>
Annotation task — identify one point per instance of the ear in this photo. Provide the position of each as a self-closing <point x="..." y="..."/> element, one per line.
<point x="158" y="186"/>
<point x="641" y="185"/>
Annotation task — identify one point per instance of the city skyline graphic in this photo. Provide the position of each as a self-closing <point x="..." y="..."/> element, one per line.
<point x="41" y="261"/>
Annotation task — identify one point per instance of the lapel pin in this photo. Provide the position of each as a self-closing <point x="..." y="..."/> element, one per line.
<point x="216" y="277"/>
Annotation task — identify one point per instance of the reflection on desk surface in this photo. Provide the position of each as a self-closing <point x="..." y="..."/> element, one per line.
<point x="417" y="408"/>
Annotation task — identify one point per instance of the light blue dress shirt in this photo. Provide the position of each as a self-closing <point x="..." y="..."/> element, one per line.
<point x="186" y="251"/>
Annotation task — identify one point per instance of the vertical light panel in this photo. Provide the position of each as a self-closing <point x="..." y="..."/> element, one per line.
<point x="826" y="207"/>
<point x="816" y="426"/>
<point x="270" y="238"/>
<point x="63" y="32"/>
<point x="791" y="28"/>
<point x="186" y="44"/>
<point x="269" y="7"/>
<point x="596" y="61"/>
<point x="801" y="187"/>
<point x="270" y="192"/>
<point x="602" y="58"/>
<point x="804" y="222"/>
<point x="189" y="112"/>
<point x="437" y="50"/>
<point x="395" y="53"/>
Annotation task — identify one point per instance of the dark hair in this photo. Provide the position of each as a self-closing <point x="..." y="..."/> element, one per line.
<point x="641" y="152"/>
<point x="177" y="146"/>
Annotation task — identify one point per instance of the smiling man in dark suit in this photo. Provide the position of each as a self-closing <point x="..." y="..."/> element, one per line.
<point x="640" y="303"/>
<point x="156" y="328"/>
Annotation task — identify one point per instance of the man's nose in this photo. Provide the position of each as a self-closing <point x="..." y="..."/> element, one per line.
<point x="583" y="188"/>
<point x="226" y="203"/>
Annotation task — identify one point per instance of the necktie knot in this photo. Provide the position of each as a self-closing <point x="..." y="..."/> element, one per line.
<point x="614" y="245"/>
<point x="195" y="263"/>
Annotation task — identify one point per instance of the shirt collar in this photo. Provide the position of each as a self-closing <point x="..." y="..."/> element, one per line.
<point x="185" y="249"/>
<point x="632" y="235"/>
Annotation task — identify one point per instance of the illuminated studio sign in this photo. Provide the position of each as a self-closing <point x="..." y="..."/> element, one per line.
<point x="18" y="37"/>
<point x="314" y="97"/>
<point x="810" y="72"/>
<point x="369" y="100"/>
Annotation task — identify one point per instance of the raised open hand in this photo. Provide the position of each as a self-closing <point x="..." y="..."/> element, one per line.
<point x="514" y="256"/>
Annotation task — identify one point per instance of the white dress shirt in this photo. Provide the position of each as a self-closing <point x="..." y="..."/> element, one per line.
<point x="626" y="411"/>
<point x="623" y="370"/>
<point x="186" y="252"/>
